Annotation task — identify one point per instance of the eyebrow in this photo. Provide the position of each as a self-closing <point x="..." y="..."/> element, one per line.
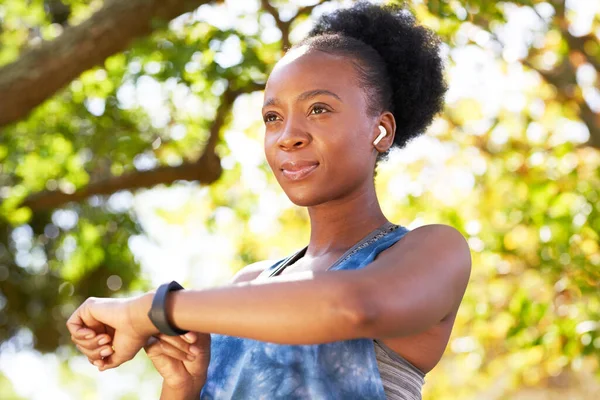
<point x="305" y="96"/>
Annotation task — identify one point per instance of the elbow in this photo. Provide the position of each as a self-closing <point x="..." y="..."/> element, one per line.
<point x="364" y="321"/>
<point x="360" y="314"/>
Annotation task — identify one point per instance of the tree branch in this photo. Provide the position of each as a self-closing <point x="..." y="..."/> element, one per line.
<point x="42" y="71"/>
<point x="563" y="79"/>
<point x="202" y="170"/>
<point x="285" y="26"/>
<point x="307" y="9"/>
<point x="563" y="76"/>
<point x="206" y="169"/>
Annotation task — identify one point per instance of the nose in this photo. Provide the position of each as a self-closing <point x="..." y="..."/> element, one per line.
<point x="293" y="137"/>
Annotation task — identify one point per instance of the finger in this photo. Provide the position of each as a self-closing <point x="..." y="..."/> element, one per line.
<point x="93" y="344"/>
<point x="174" y="352"/>
<point x="153" y="349"/>
<point x="96" y="354"/>
<point x="83" y="333"/>
<point x="96" y="363"/>
<point x="203" y="342"/>
<point x="159" y="348"/>
<point x="179" y="343"/>
<point x="189" y="337"/>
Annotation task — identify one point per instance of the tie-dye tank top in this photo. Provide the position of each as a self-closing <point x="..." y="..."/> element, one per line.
<point x="350" y="369"/>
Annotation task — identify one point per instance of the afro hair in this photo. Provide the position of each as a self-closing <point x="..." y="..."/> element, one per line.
<point x="397" y="60"/>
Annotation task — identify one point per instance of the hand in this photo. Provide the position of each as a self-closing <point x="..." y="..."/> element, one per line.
<point x="182" y="361"/>
<point x="112" y="317"/>
<point x="94" y="345"/>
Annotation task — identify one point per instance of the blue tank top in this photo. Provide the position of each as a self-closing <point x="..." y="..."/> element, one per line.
<point x="250" y="369"/>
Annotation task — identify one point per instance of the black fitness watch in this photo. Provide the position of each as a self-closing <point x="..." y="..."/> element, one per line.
<point x="158" y="312"/>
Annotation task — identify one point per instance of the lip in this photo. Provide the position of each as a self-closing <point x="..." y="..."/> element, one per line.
<point x="298" y="169"/>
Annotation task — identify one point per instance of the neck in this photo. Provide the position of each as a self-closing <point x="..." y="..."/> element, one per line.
<point x="337" y="225"/>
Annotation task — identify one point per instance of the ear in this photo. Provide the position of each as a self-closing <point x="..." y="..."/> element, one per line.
<point x="386" y="119"/>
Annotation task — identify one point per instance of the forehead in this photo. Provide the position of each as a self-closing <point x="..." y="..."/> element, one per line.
<point x="302" y="69"/>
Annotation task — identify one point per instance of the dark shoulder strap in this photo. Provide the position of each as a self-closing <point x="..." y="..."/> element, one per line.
<point x="288" y="261"/>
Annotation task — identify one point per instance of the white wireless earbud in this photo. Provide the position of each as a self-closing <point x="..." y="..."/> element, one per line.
<point x="381" y="135"/>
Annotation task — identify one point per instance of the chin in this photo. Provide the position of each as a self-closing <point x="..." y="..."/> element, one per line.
<point x="311" y="192"/>
<point x="303" y="202"/>
<point x="305" y="198"/>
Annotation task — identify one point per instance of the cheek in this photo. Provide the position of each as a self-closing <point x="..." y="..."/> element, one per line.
<point x="351" y="150"/>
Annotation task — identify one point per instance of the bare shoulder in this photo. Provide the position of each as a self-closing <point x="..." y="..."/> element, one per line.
<point x="441" y="242"/>
<point x="439" y="234"/>
<point x="251" y="271"/>
<point x="435" y="248"/>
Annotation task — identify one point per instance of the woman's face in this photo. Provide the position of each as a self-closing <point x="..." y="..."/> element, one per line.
<point x="318" y="138"/>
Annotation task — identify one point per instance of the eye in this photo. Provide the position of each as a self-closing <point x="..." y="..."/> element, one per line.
<point x="270" y="117"/>
<point x="318" y="109"/>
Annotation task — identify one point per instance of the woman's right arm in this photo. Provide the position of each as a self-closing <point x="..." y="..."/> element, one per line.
<point x="192" y="391"/>
<point x="168" y="354"/>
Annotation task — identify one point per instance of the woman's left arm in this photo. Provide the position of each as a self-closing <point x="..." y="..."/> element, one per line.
<point x="408" y="288"/>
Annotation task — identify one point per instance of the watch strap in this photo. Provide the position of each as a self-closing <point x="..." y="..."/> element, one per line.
<point x="158" y="310"/>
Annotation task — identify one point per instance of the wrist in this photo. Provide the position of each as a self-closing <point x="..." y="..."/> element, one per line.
<point x="138" y="315"/>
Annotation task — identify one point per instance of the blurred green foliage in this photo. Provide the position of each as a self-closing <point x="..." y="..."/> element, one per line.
<point x="531" y="212"/>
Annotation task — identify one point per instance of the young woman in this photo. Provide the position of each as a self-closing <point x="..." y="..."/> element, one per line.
<point x="366" y="309"/>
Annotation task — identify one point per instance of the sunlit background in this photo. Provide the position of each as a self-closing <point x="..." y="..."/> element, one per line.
<point x="513" y="163"/>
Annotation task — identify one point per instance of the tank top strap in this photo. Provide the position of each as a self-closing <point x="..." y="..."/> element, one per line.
<point x="366" y="242"/>
<point x="367" y="252"/>
<point x="282" y="263"/>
